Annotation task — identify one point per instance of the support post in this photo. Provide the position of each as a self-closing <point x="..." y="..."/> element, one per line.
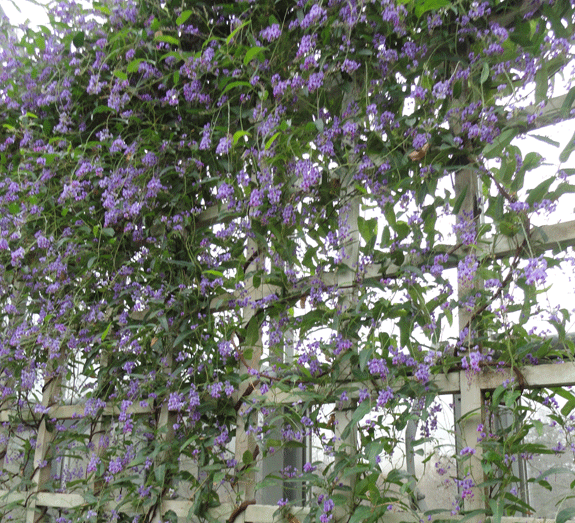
<point x="472" y="413"/>
<point x="43" y="451"/>
<point x="244" y="441"/>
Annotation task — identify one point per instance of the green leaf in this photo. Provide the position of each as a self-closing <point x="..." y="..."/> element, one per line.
<point x="247" y="457"/>
<point x="231" y="85"/>
<point x="362" y="410"/>
<point x="183" y="17"/>
<point x="423" y="6"/>
<point x="565" y="515"/>
<point x="105" y="333"/>
<point x="539" y="193"/>
<point x="503" y="140"/>
<point x="134" y="65"/>
<point x="272" y="140"/>
<point x="367" y="228"/>
<point x="235" y="31"/>
<point x="364" y="355"/>
<point x="103" y="9"/>
<point x="239" y="134"/>
<point x="167" y="38"/>
<point x="568" y="103"/>
<point x="120" y="74"/>
<point x="545" y="139"/>
<point x="459" y="202"/>
<point x="252" y="332"/>
<point x="78" y="39"/>
<point x="564" y="156"/>
<point x="252" y="53"/>
<point x="541" y="83"/>
<point x="361" y="514"/>
<point x="497" y="508"/>
<point x="484" y="73"/>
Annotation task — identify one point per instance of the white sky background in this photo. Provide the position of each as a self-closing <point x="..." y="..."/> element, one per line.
<point x="28" y="11"/>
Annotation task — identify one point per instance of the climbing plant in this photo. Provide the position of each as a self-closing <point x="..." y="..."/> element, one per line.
<point x="223" y="209"/>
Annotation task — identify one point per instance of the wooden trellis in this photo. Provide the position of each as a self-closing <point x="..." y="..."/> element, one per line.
<point x="37" y="501"/>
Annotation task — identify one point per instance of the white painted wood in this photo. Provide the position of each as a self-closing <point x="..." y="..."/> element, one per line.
<point x="166" y="432"/>
<point x="546" y="375"/>
<point x="42" y="454"/>
<point x="471" y="395"/>
<point x="246" y="442"/>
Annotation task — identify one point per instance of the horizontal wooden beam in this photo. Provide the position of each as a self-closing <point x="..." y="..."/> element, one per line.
<point x="251" y="513"/>
<point x="550" y="114"/>
<point x="544" y="238"/>
<point x="532" y="376"/>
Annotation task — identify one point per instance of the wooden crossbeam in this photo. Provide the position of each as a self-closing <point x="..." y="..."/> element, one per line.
<point x="251" y="514"/>
<point x="535" y="376"/>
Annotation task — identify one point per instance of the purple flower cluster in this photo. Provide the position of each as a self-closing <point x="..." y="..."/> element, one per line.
<point x="535" y="271"/>
<point x="271" y="33"/>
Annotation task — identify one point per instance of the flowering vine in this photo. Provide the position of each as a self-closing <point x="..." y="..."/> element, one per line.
<point x="179" y="187"/>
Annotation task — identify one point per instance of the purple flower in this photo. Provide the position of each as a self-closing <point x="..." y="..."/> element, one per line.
<point x="378" y="367"/>
<point x="216" y="389"/>
<point x="223" y="437"/>
<point x="315" y="14"/>
<point x="422" y="373"/>
<point x="535" y="272"/>
<point x="16" y="255"/>
<point x="441" y="90"/>
<point x="93" y="463"/>
<point x="466" y="270"/>
<point x="94" y="85"/>
<point x="306" y="45"/>
<point x="309" y="173"/>
<point x="465" y="228"/>
<point x="228" y="389"/>
<point x="467" y="451"/>
<point x="176" y="401"/>
<point x="206" y="138"/>
<point x="224" y="145"/>
<point x="385" y="396"/>
<point x="118" y="145"/>
<point x="308" y="467"/>
<point x="271" y="33"/>
<point x="149" y="159"/>
<point x="172" y="97"/>
<point x="315" y="81"/>
<point x="420" y="140"/>
<point x="28" y="378"/>
<point x="493" y="282"/>
<point x="349" y="66"/>
<point x="363" y="394"/>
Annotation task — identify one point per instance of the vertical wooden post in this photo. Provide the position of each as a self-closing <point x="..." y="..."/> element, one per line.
<point x="43" y="451"/>
<point x="346" y="281"/>
<point x="471" y="394"/>
<point x="165" y="429"/>
<point x="102" y="426"/>
<point x="244" y="441"/>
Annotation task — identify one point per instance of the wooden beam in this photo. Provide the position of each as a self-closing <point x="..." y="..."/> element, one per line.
<point x="533" y="376"/>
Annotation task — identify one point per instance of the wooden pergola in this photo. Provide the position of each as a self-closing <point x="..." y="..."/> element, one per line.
<point x="36" y="500"/>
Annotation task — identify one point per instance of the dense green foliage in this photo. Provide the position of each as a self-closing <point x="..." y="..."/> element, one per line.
<point x="180" y="183"/>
